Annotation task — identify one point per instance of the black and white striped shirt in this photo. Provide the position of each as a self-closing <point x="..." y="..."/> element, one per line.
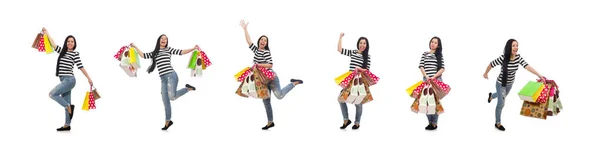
<point x="356" y="59"/>
<point x="66" y="63"/>
<point x="513" y="65"/>
<point x="429" y="63"/>
<point x="163" y="59"/>
<point x="261" y="56"/>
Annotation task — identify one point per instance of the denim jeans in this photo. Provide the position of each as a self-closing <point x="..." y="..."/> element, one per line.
<point x="275" y="87"/>
<point x="433" y="118"/>
<point x="345" y="112"/>
<point x="62" y="94"/>
<point x="169" y="91"/>
<point x="501" y="93"/>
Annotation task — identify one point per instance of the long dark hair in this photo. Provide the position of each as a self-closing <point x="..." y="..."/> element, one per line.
<point x="365" y="53"/>
<point x="507" y="55"/>
<point x="438" y="52"/>
<point x="155" y="52"/>
<point x="266" y="45"/>
<point x="64" y="50"/>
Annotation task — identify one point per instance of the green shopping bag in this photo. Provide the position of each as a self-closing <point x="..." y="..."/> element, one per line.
<point x="193" y="60"/>
<point x="529" y="90"/>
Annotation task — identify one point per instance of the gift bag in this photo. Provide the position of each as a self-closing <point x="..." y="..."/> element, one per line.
<point x="205" y="61"/>
<point x="119" y="53"/>
<point x="47" y="45"/>
<point x="252" y="87"/>
<point x="42" y="45"/>
<point x="412" y="88"/>
<point x="529" y="90"/>
<point x="347" y="79"/>
<point x="440" y="88"/>
<point x="126" y="66"/>
<point x="353" y="91"/>
<point x="88" y="101"/>
<point x="36" y="42"/>
<point x="423" y="101"/>
<point x="134" y="58"/>
<point x="263" y="75"/>
<point x="341" y="78"/>
<point x="535" y="110"/>
<point x="95" y="93"/>
<point x="197" y="71"/>
<point x="262" y="87"/>
<point x="242" y="90"/>
<point x="370" y="78"/>
<point x="362" y="91"/>
<point x="193" y="63"/>
<point x="415" y="105"/>
<point x="240" y="76"/>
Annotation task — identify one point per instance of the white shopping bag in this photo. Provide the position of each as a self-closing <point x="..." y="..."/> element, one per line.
<point x="245" y="86"/>
<point x="353" y="92"/>
<point x="127" y="68"/>
<point x="198" y="71"/>
<point x="252" y="87"/>
<point x="362" y="91"/>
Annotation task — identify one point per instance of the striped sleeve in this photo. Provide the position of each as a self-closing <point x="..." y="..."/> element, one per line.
<point x="147" y="55"/>
<point x="497" y="61"/>
<point x="422" y="62"/>
<point x="77" y="60"/>
<point x="57" y="49"/>
<point x="369" y="64"/>
<point x="175" y="51"/>
<point x="253" y="47"/>
<point x="523" y="62"/>
<point x="348" y="52"/>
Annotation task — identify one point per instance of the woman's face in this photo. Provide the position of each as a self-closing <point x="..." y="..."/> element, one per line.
<point x="433" y="45"/>
<point x="70" y="43"/>
<point x="163" y="41"/>
<point x="262" y="42"/>
<point x="362" y="45"/>
<point x="515" y="47"/>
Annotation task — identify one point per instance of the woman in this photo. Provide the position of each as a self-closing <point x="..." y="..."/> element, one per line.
<point x="361" y="61"/>
<point x="507" y="76"/>
<point x="262" y="57"/>
<point x="161" y="59"/>
<point x="432" y="67"/>
<point x="67" y="58"/>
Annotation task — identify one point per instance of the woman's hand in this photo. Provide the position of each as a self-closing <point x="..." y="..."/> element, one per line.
<point x="244" y="24"/>
<point x="132" y="45"/>
<point x="198" y="48"/>
<point x="44" y="30"/>
<point x="485" y="76"/>
<point x="341" y="35"/>
<point x="90" y="81"/>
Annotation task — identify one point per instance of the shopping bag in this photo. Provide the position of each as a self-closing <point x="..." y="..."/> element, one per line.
<point x="263" y="74"/>
<point x="193" y="63"/>
<point x="261" y="84"/>
<point x="540" y="95"/>
<point x="353" y="91"/>
<point x="412" y="88"/>
<point x="134" y="58"/>
<point x="127" y="67"/>
<point x="205" y="61"/>
<point x="423" y="101"/>
<point x="241" y="75"/>
<point x="529" y="90"/>
<point x="362" y="91"/>
<point x="36" y="41"/>
<point x="47" y="45"/>
<point x="242" y="89"/>
<point x="41" y="46"/>
<point x="92" y="101"/>
<point x="440" y="88"/>
<point x="341" y="78"/>
<point x="348" y="79"/>
<point x="415" y="105"/>
<point x="86" y="102"/>
<point x="535" y="110"/>
<point x="95" y="93"/>
<point x="370" y="78"/>
<point x="252" y="87"/>
<point x="197" y="71"/>
<point x="119" y="53"/>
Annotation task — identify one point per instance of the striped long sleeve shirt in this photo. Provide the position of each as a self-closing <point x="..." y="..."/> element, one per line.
<point x="356" y="59"/>
<point x="513" y="66"/>
<point x="429" y="64"/>
<point x="163" y="59"/>
<point x="66" y="63"/>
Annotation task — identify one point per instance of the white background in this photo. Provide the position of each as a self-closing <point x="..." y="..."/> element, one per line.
<point x="557" y="38"/>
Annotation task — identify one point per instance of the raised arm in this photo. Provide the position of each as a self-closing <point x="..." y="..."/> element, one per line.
<point x="45" y="31"/>
<point x="244" y="25"/>
<point x="186" y="51"/>
<point x="340" y="43"/>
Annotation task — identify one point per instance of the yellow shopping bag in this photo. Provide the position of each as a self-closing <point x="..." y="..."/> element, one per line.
<point x="48" y="45"/>
<point x="413" y="87"/>
<point x="239" y="74"/>
<point x="86" y="102"/>
<point x="132" y="55"/>
<point x="538" y="93"/>
<point x="341" y="78"/>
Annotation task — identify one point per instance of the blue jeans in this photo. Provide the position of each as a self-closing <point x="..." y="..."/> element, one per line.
<point x="275" y="87"/>
<point x="433" y="118"/>
<point x="62" y="95"/>
<point x="169" y="91"/>
<point x="345" y="112"/>
<point x="501" y="93"/>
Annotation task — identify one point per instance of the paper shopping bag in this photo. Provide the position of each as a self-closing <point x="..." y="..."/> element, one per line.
<point x="95" y="93"/>
<point x="134" y="58"/>
<point x="197" y="72"/>
<point x="415" y="106"/>
<point x="362" y="91"/>
<point x="423" y="100"/>
<point x="86" y="102"/>
<point x="47" y="45"/>
<point x="263" y="75"/>
<point x="529" y="90"/>
<point x="41" y="46"/>
<point x="119" y="53"/>
<point x="341" y="78"/>
<point x="242" y="89"/>
<point x="126" y="66"/>
<point x="412" y="88"/>
<point x="241" y="75"/>
<point x="440" y="88"/>
<point x="431" y="103"/>
<point x="370" y="78"/>
<point x="193" y="63"/>
<point x="353" y="91"/>
<point x="252" y="87"/>
<point x="348" y="79"/>
<point x="36" y="41"/>
<point x="540" y="94"/>
<point x="262" y="88"/>
<point x="205" y="61"/>
<point x="92" y="101"/>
